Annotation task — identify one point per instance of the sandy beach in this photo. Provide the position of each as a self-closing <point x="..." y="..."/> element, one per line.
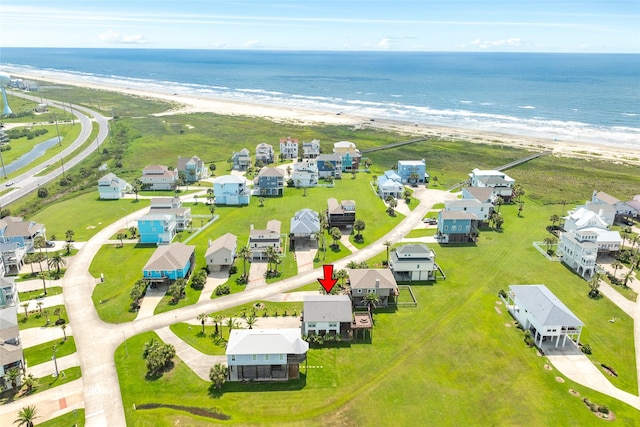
<point x="186" y="104"/>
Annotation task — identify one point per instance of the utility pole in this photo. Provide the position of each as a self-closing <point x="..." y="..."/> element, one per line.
<point x="55" y="117"/>
<point x="62" y="161"/>
<point x="55" y="361"/>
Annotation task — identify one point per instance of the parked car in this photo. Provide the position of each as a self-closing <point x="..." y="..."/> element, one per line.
<point x="430" y="221"/>
<point x="50" y="244"/>
<point x="9" y="183"/>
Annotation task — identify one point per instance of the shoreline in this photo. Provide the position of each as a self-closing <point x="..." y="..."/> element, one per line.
<point x="187" y="103"/>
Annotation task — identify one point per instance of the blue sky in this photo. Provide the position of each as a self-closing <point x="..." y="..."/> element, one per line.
<point x="418" y="25"/>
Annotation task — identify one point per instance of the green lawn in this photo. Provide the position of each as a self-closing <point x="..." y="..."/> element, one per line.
<point x="42" y="353"/>
<point x="31" y="295"/>
<point x="37" y="320"/>
<point x="207" y="343"/>
<point x="85" y="215"/>
<point x="121" y="266"/>
<point x="42" y="384"/>
<point x="71" y="418"/>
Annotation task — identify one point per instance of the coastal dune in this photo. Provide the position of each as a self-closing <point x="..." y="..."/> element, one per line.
<point x="193" y="103"/>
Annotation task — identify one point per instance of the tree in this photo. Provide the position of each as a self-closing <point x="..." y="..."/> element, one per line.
<point x="217" y="320"/>
<point x="26" y="309"/>
<point x="43" y="192"/>
<point x="29" y="381"/>
<point x="218" y="375"/>
<point x="498" y="221"/>
<point x="414" y="177"/>
<point x="69" y="235"/>
<point x="367" y="164"/>
<point x="616" y="265"/>
<point x="212" y="168"/>
<point x="26" y="416"/>
<point x="68" y="247"/>
<point x="251" y="321"/>
<point x="202" y="317"/>
<point x="335" y="235"/>
<point x="199" y="279"/>
<point x="212" y="209"/>
<point x="210" y="196"/>
<point x="359" y="225"/>
<point x="157" y="355"/>
<point x="261" y="200"/>
<point x="137" y="292"/>
<point x="4" y="213"/>
<point x="550" y="241"/>
<point x="406" y="194"/>
<point x="627" y="276"/>
<point x="289" y="170"/>
<point x="136" y="185"/>
<point x="40" y="304"/>
<point x="43" y="276"/>
<point x="176" y="291"/>
<point x="518" y="192"/>
<point x="371" y="301"/>
<point x="594" y="285"/>
<point x="341" y="275"/>
<point x="554" y="219"/>
<point x="64" y="330"/>
<point x="231" y="324"/>
<point x="387" y="244"/>
<point x="391" y="210"/>
<point x="57" y="312"/>
<point x="13" y="376"/>
<point x="30" y="259"/>
<point x="56" y="261"/>
<point x="520" y="207"/>
<point x="245" y="254"/>
<point x="498" y="202"/>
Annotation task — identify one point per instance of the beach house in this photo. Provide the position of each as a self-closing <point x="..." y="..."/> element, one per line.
<point x="373" y="281"/>
<point x="193" y="168"/>
<point x="170" y="263"/>
<point x="157" y="228"/>
<point x="413" y="171"/>
<point x="288" y="148"/>
<point x="622" y="208"/>
<point x="327" y="315"/>
<point x="231" y="190"/>
<point x="350" y="155"/>
<point x="329" y="165"/>
<point x="265" y="354"/>
<point x="221" y="252"/>
<point x="341" y="215"/>
<point x="414" y="261"/>
<point x="14" y="229"/>
<point x="11" y="355"/>
<point x="311" y="149"/>
<point x="482" y="210"/>
<point x="500" y="183"/>
<point x="241" y="160"/>
<point x="389" y="185"/>
<point x="260" y="240"/>
<point x="456" y="226"/>
<point x="110" y="187"/>
<point x="305" y="174"/>
<point x="159" y="177"/>
<point x="304" y="226"/>
<point x="539" y="311"/>
<point x="172" y="206"/>
<point x="269" y="182"/>
<point x="264" y="154"/>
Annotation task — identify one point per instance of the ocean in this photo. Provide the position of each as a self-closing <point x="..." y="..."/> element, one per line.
<point x="583" y="97"/>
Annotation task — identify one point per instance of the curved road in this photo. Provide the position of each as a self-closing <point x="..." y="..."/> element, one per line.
<point x="28" y="182"/>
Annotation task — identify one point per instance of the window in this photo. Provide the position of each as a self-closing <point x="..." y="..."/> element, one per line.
<point x="311" y="325"/>
<point x="266" y="357"/>
<point x="254" y="357"/>
<point x="359" y="291"/>
<point x="233" y="357"/>
<point x="371" y="291"/>
<point x="333" y="325"/>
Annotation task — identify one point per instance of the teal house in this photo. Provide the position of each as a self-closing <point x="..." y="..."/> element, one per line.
<point x="170" y="263"/>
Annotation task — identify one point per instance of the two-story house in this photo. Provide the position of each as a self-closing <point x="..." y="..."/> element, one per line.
<point x="413" y="171"/>
<point x="388" y="185"/>
<point x="156" y="228"/>
<point x="311" y="149"/>
<point x="305" y="174"/>
<point x="172" y="206"/>
<point x="193" y="168"/>
<point x="327" y="315"/>
<point x="110" y="187"/>
<point x="159" y="177"/>
<point x="329" y="165"/>
<point x="482" y="210"/>
<point x="265" y="354"/>
<point x="456" y="226"/>
<point x="304" y="225"/>
<point x="269" y="182"/>
<point x="500" y="183"/>
<point x="380" y="281"/>
<point x="622" y="208"/>
<point x="350" y="155"/>
<point x="260" y="240"/>
<point x="11" y="355"/>
<point x="264" y="154"/>
<point x="241" y="160"/>
<point x="221" y="252"/>
<point x="231" y="190"/>
<point x="414" y="261"/>
<point x="341" y="215"/>
<point x="170" y="263"/>
<point x="579" y="250"/>
<point x="288" y="148"/>
<point x="17" y="238"/>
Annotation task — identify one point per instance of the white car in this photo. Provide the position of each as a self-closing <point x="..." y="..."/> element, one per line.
<point x="9" y="183"/>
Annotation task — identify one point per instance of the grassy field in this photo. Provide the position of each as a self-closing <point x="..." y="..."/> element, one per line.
<point x="37" y="320"/>
<point x="32" y="295"/>
<point x="71" y="418"/>
<point x="121" y="266"/>
<point x="42" y="353"/>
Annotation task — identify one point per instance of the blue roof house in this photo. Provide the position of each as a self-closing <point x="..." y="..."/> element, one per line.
<point x="231" y="190"/>
<point x="389" y="187"/>
<point x="413" y="171"/>
<point x="170" y="263"/>
<point x="329" y="165"/>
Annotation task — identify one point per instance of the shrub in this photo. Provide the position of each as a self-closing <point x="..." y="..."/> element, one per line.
<point x="60" y="322"/>
<point x="502" y="293"/>
<point x="586" y="348"/>
<point x="233" y="269"/>
<point x="223" y="290"/>
<point x="604" y="409"/>
<point x="43" y="192"/>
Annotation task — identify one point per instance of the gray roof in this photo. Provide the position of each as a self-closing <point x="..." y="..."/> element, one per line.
<point x="229" y="179"/>
<point x="465" y="203"/>
<point x="366" y="278"/>
<point x="227" y="241"/>
<point x="266" y="341"/>
<point x="606" y="198"/>
<point x="327" y="308"/>
<point x="544" y="306"/>
<point x="305" y="221"/>
<point x="271" y="172"/>
<point x="329" y="157"/>
<point x="458" y="215"/>
<point x="17" y="227"/>
<point x="171" y="257"/>
<point x="338" y="208"/>
<point x="481" y="193"/>
<point x="413" y="251"/>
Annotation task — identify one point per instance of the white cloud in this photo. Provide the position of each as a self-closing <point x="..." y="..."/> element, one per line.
<point x="252" y="44"/>
<point x="384" y="43"/>
<point x="114" y="37"/>
<point x="486" y="44"/>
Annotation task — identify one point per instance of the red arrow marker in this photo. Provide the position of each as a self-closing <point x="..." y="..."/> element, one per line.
<point x="328" y="282"/>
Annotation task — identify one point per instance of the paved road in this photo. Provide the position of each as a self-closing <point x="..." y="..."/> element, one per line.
<point x="27" y="182"/>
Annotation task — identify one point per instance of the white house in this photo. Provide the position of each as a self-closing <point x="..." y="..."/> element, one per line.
<point x="159" y="177"/>
<point x="482" y="210"/>
<point x="260" y="240"/>
<point x="11" y="355"/>
<point x="304" y="224"/>
<point x="221" y="252"/>
<point x="110" y="187"/>
<point x="326" y="315"/>
<point x="415" y="261"/>
<point x="311" y="149"/>
<point x="388" y="185"/>
<point x="305" y="174"/>
<point x="538" y="310"/>
<point x="288" y="148"/>
<point x="605" y="212"/>
<point x="373" y="281"/>
<point x="622" y="208"/>
<point x="265" y="354"/>
<point x="501" y="183"/>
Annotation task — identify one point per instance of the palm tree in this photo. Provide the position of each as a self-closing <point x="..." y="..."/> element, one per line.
<point x="64" y="330"/>
<point x="40" y="304"/>
<point x="391" y="210"/>
<point x="371" y="300"/>
<point x="627" y="276"/>
<point x="336" y="235"/>
<point x="341" y="275"/>
<point x="26" y="416"/>
<point x="26" y="309"/>
<point x="30" y="259"/>
<point x="57" y="311"/>
<point x="359" y="225"/>
<point x="69" y="235"/>
<point x="218" y="375"/>
<point x="594" y="284"/>
<point x="68" y="247"/>
<point x="387" y="244"/>
<point x="202" y="317"/>
<point x="518" y="192"/>
<point x="136" y="185"/>
<point x="29" y="381"/>
<point x="498" y="202"/>
<point x="554" y="219"/>
<point x="231" y="324"/>
<point x="210" y="196"/>
<point x="244" y="253"/>
<point x="550" y="241"/>
<point x="406" y="194"/>
<point x="212" y="209"/>
<point x="217" y="320"/>
<point x="13" y="376"/>
<point x="56" y="261"/>
<point x="251" y="321"/>
<point x="121" y="236"/>
<point x="42" y="276"/>
<point x="616" y="265"/>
